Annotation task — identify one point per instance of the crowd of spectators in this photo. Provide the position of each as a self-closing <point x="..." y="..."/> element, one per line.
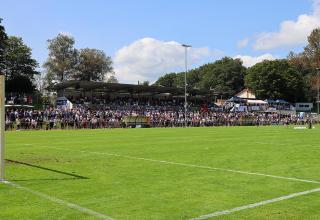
<point x="160" y="115"/>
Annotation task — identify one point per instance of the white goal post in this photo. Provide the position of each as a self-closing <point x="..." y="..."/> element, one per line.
<point x="2" y="124"/>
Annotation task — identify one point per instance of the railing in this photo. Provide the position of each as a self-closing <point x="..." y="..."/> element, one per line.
<point x="158" y="123"/>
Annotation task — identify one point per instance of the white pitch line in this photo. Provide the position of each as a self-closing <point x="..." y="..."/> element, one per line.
<point x="192" y="165"/>
<point x="254" y="205"/>
<point x="59" y="201"/>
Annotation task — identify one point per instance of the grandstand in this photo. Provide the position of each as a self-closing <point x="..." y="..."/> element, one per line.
<point x="98" y="93"/>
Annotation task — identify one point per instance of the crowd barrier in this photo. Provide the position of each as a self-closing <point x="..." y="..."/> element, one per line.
<point x="124" y="124"/>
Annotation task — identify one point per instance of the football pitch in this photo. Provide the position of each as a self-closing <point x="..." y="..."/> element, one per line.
<point x="162" y="173"/>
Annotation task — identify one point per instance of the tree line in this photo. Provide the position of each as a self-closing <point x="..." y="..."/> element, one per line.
<point x="16" y="63"/>
<point x="64" y="62"/>
<point x="293" y="79"/>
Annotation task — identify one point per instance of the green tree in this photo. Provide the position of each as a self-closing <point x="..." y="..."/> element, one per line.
<point x="63" y="57"/>
<point x="300" y="62"/>
<point x="194" y="78"/>
<point x="307" y="63"/>
<point x="179" y="80"/>
<point x="275" y="80"/>
<point x="93" y="65"/>
<point x="18" y="59"/>
<point x="3" y="44"/>
<point x="168" y="80"/>
<point x="225" y="76"/>
<point x="312" y="50"/>
<point x="18" y="66"/>
<point x="312" y="56"/>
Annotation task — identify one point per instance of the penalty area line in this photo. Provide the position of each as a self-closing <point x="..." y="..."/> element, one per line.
<point x="254" y="205"/>
<point x="59" y="201"/>
<point x="189" y="165"/>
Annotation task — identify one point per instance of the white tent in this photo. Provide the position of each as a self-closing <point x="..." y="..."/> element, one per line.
<point x="63" y="102"/>
<point x="256" y="101"/>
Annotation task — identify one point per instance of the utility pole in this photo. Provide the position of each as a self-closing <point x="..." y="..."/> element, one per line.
<point x="185" y="82"/>
<point x="318" y="95"/>
<point x="2" y="124"/>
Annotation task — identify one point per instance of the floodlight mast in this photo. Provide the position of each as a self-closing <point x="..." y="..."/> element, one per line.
<point x="2" y="125"/>
<point x="185" y="82"/>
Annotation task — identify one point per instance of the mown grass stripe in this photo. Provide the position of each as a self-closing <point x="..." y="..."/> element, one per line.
<point x="191" y="165"/>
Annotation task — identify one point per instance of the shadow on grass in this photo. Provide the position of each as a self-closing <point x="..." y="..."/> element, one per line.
<point x="72" y="176"/>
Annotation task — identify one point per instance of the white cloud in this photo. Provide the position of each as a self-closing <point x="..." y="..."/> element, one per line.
<point x="243" y="43"/>
<point x="148" y="58"/>
<point x="290" y="33"/>
<point x="249" y="61"/>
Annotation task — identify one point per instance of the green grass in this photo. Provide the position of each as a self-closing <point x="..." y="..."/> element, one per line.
<point x="129" y="188"/>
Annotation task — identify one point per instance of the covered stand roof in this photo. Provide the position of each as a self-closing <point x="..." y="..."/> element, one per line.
<point x="123" y="88"/>
<point x="278" y="101"/>
<point x="257" y="101"/>
<point x="281" y="101"/>
<point x="236" y="99"/>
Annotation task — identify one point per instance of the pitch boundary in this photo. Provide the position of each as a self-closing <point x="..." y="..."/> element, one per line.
<point x="191" y="165"/>
<point x="202" y="217"/>
<point x="59" y="201"/>
<point x="254" y="205"/>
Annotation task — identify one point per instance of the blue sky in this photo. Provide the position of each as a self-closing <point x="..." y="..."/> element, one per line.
<point x="143" y="36"/>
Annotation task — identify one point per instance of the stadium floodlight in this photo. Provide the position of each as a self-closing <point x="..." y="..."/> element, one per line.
<point x="2" y="124"/>
<point x="185" y="82"/>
